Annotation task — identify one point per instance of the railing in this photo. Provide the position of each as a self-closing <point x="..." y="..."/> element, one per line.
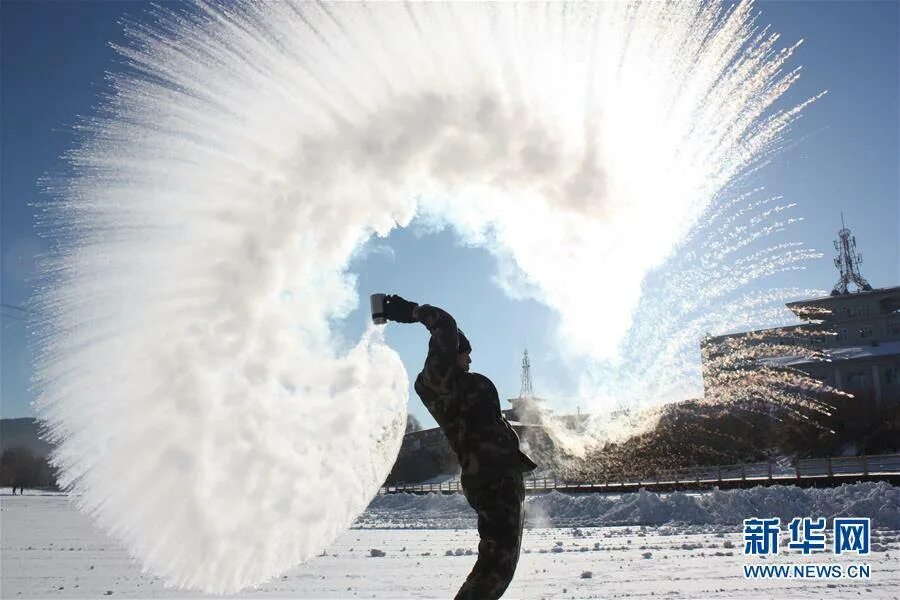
<point x="827" y="471"/>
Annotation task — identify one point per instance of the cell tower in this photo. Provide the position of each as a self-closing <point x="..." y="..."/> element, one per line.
<point x="847" y="262"/>
<point x="527" y="390"/>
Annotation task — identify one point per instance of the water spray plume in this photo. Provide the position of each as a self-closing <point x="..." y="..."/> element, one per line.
<point x="187" y="365"/>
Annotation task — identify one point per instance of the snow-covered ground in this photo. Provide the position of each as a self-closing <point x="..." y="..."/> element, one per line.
<point x="50" y="550"/>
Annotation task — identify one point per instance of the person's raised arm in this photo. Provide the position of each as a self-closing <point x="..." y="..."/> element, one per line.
<point x="443" y="346"/>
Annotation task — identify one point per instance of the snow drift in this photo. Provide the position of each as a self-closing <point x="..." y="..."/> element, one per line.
<point x="878" y="501"/>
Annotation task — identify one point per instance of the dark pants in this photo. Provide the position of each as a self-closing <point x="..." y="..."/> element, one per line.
<point x="501" y="514"/>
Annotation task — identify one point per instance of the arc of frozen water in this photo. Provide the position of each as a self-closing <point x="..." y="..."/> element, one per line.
<point x="187" y="368"/>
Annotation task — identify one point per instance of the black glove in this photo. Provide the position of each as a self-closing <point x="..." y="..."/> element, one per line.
<point x="399" y="310"/>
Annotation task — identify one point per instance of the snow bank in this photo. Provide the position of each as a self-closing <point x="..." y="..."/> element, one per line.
<point x="431" y="511"/>
<point x="879" y="501"/>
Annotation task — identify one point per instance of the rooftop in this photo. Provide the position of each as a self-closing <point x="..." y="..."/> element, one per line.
<point x="847" y="296"/>
<point x="840" y="354"/>
<point x="818" y="308"/>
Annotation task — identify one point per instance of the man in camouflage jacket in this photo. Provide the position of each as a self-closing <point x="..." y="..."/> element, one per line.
<point x="467" y="408"/>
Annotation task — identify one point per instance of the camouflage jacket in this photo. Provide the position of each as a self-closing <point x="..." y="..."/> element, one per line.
<point x="466" y="405"/>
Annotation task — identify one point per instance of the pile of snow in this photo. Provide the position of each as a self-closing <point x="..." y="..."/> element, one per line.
<point x="879" y="501"/>
<point x="431" y="511"/>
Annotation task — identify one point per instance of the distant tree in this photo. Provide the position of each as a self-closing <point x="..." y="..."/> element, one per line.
<point x="412" y="424"/>
<point x="20" y="467"/>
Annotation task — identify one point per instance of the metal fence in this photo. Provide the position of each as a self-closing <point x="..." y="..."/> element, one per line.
<point x="813" y="471"/>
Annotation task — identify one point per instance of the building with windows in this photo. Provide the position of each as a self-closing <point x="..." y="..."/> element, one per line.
<point x="859" y="335"/>
<point x="864" y="348"/>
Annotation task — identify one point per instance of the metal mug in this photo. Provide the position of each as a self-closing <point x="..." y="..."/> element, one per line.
<point x="377" y="301"/>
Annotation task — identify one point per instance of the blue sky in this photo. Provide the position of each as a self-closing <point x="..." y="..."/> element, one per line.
<point x="844" y="157"/>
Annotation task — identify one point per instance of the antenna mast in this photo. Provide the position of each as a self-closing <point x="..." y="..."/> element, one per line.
<point x="847" y="262"/>
<point x="527" y="390"/>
